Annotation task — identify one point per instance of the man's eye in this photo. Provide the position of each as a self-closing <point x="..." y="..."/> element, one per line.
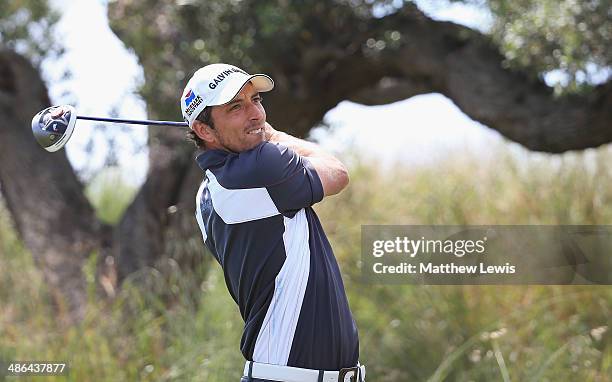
<point x="258" y="99"/>
<point x="235" y="107"/>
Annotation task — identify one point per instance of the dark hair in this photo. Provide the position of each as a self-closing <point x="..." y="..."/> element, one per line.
<point x="206" y="117"/>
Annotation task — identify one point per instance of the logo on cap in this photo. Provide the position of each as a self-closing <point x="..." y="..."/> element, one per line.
<point x="189" y="97"/>
<point x="192" y="101"/>
<point x="223" y="75"/>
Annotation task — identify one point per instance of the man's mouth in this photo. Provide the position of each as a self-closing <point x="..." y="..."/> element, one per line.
<point x="255" y="131"/>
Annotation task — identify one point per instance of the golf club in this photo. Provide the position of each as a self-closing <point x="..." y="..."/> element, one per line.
<point x="53" y="126"/>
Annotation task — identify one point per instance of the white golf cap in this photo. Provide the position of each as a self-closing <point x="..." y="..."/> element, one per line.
<point x="217" y="84"/>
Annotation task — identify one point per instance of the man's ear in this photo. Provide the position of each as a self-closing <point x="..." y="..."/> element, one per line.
<point x="204" y="131"/>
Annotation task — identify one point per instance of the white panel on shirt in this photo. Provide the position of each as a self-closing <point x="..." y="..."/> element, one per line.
<point x="278" y="328"/>
<point x="199" y="216"/>
<point x="241" y="205"/>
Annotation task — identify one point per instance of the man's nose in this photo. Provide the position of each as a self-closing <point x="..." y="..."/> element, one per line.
<point x="256" y="112"/>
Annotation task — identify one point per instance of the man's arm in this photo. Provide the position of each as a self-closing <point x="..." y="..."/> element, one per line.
<point x="333" y="174"/>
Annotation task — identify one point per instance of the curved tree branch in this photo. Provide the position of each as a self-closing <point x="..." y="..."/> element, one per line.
<point x="466" y="67"/>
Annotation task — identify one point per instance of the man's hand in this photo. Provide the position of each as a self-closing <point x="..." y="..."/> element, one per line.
<point x="271" y="134"/>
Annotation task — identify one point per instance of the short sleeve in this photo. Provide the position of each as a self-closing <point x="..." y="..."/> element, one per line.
<point x="290" y="179"/>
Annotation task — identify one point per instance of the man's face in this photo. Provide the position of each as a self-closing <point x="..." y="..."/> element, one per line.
<point x="239" y="124"/>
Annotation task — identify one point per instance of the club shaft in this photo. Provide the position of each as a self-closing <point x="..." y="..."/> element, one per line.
<point x="134" y="121"/>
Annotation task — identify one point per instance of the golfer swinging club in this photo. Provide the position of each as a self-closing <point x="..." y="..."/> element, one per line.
<point x="254" y="211"/>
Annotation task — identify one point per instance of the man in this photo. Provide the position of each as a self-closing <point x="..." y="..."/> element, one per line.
<point x="254" y="211"/>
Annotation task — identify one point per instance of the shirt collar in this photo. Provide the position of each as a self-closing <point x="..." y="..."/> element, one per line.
<point x="212" y="158"/>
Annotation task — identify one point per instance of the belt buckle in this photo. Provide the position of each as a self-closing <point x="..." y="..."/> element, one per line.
<point x="345" y="371"/>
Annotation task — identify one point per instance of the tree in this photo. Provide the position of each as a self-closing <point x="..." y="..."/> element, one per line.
<point x="45" y="198"/>
<point x="319" y="53"/>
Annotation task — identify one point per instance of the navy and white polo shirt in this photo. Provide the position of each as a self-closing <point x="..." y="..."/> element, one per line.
<point x="254" y="211"/>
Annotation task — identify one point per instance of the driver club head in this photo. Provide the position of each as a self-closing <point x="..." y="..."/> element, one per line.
<point x="53" y="126"/>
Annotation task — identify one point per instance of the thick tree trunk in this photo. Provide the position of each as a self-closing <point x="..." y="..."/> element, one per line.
<point x="57" y="223"/>
<point x="44" y="196"/>
<point x="140" y="237"/>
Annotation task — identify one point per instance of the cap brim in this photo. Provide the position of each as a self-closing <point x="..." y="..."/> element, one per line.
<point x="261" y="83"/>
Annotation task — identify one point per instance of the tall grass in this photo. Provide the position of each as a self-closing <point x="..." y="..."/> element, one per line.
<point x="478" y="333"/>
<point x="153" y="332"/>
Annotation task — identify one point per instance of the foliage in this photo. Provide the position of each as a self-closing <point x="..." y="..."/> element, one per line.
<point x="572" y="36"/>
<point x="168" y="326"/>
<point x="26" y="26"/>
